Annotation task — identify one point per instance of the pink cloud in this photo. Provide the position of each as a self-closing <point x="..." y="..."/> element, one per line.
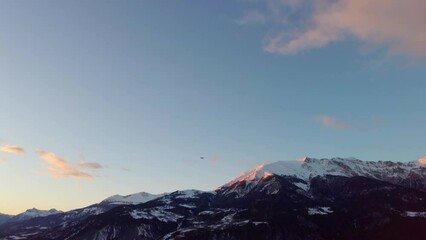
<point x="91" y="165"/>
<point x="422" y="160"/>
<point x="59" y="168"/>
<point x="398" y="25"/>
<point x="332" y="122"/>
<point x="12" y="149"/>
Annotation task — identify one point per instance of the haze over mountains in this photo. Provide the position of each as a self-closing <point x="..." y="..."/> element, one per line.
<point x="337" y="198"/>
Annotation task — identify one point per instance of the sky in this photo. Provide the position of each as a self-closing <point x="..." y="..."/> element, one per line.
<point x="116" y="97"/>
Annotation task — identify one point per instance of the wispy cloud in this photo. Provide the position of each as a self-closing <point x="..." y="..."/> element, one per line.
<point x="298" y="25"/>
<point x="12" y="149"/>
<point x="332" y="122"/>
<point x="251" y="17"/>
<point x="90" y="165"/>
<point x="3" y="159"/>
<point x="60" y="168"/>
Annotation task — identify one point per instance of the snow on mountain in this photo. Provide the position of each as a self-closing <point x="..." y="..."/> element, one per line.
<point x="190" y="193"/>
<point x="160" y="213"/>
<point x="183" y="195"/>
<point x="136" y="198"/>
<point x="33" y="213"/>
<point x="308" y="168"/>
<point x="108" y="204"/>
<point x="266" y="202"/>
<point x="56" y="218"/>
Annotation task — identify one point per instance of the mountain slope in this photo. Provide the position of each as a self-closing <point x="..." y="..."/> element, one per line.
<point x="410" y="174"/>
<point x="136" y="198"/>
<point x="35" y="221"/>
<point x="33" y="213"/>
<point x="334" y="207"/>
<point x="144" y="221"/>
<point x="4" y="218"/>
<point x="322" y="199"/>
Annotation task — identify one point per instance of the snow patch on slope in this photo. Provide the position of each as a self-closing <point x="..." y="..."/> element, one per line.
<point x="319" y="211"/>
<point x="415" y="214"/>
<point x="133" y="199"/>
<point x="188" y="193"/>
<point x="160" y="213"/>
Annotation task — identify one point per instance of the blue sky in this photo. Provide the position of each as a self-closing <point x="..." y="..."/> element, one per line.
<point x="110" y="97"/>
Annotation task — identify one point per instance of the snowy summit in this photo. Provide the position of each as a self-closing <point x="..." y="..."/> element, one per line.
<point x="33" y="213"/>
<point x="136" y="198"/>
<point x="308" y="168"/>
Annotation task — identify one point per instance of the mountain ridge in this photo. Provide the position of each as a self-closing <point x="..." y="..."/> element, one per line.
<point x="135" y="198"/>
<point x="337" y="198"/>
<point x="33" y="213"/>
<point x="407" y="174"/>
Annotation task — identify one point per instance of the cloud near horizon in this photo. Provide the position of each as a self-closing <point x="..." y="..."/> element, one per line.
<point x="12" y="149"/>
<point x="332" y="122"/>
<point x="60" y="168"/>
<point x="398" y="25"/>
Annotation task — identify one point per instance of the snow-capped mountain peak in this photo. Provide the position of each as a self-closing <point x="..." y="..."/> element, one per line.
<point x="288" y="168"/>
<point x="136" y="198"/>
<point x="33" y="213"/>
<point x="308" y="168"/>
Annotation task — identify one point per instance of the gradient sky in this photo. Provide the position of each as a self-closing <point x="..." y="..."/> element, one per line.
<point x="116" y="97"/>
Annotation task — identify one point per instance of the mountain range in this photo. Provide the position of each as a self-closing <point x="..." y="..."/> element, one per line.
<point x="337" y="198"/>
